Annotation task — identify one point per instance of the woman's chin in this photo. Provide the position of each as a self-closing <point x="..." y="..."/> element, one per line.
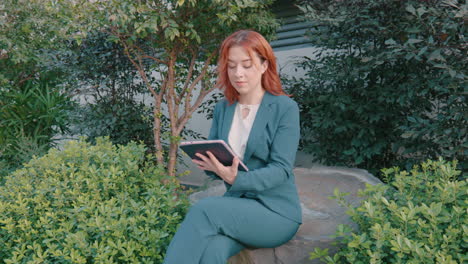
<point x="242" y="91"/>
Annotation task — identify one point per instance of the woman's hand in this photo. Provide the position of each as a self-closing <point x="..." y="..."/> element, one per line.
<point x="211" y="163"/>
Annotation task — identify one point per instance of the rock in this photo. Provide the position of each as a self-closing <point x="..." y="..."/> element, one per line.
<point x="216" y="188"/>
<point x="321" y="215"/>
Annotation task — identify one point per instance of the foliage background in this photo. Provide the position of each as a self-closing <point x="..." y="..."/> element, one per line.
<point x="33" y="104"/>
<point x="387" y="85"/>
<point x="110" y="93"/>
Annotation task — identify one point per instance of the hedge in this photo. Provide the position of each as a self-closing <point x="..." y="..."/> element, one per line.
<point x="89" y="204"/>
<point x="420" y="217"/>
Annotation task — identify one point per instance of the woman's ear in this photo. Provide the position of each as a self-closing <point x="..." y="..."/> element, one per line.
<point x="264" y="66"/>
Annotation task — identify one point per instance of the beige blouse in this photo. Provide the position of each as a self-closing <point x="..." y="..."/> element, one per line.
<point x="242" y="122"/>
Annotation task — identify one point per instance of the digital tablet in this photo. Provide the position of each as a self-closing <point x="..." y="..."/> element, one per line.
<point x="218" y="148"/>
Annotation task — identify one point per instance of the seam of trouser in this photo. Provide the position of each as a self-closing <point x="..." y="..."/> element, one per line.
<point x="216" y="228"/>
<point x="206" y="247"/>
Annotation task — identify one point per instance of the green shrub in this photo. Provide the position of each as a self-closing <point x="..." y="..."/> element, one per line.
<point x="89" y="204"/>
<point x="122" y="120"/>
<point x="31" y="116"/>
<point x="393" y="91"/>
<point x="420" y="217"/>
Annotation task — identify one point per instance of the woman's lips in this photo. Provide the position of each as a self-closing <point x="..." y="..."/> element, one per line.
<point x="241" y="83"/>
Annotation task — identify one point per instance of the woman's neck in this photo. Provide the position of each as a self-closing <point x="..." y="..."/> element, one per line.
<point x="253" y="98"/>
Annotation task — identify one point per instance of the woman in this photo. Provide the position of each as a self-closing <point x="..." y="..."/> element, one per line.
<point x="261" y="207"/>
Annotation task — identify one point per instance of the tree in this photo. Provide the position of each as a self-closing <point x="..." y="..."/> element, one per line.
<point x="177" y="43"/>
<point x="387" y="85"/>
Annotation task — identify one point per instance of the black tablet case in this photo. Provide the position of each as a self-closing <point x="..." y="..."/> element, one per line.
<point x="218" y="147"/>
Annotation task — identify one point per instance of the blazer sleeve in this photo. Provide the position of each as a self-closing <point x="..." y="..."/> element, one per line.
<point x="214" y="135"/>
<point x="281" y="159"/>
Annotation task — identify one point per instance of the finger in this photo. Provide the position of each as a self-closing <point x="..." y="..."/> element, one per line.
<point x="211" y="156"/>
<point x="201" y="164"/>
<point x="235" y="162"/>
<point x="210" y="160"/>
<point x="213" y="159"/>
<point x="201" y="156"/>
<point x="198" y="162"/>
<point x="205" y="160"/>
<point x="235" y="165"/>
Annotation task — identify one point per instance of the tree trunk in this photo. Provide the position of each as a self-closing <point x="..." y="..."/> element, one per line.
<point x="171" y="165"/>
<point x="157" y="132"/>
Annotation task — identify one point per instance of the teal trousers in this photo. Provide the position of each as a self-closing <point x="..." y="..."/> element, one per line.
<point x="217" y="228"/>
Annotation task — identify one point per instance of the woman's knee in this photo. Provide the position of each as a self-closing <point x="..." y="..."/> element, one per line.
<point x="202" y="207"/>
<point x="205" y="204"/>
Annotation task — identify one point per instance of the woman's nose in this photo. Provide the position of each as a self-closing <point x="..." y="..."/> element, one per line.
<point x="239" y="71"/>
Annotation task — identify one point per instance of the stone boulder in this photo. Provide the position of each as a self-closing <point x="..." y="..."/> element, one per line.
<point x="321" y="215"/>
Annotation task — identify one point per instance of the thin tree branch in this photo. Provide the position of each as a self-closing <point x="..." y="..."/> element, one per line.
<point x="189" y="109"/>
<point x="189" y="75"/>
<point x="154" y="58"/>
<point x="197" y="80"/>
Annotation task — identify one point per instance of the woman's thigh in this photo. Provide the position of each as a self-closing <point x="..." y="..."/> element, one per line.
<point x="247" y="221"/>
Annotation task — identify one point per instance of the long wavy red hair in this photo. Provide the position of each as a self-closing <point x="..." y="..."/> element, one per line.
<point x="255" y="44"/>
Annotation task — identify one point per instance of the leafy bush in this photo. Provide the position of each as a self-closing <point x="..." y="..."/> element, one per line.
<point x="120" y="119"/>
<point x="387" y="84"/>
<point x="421" y="217"/>
<point x="89" y="204"/>
<point x="31" y="115"/>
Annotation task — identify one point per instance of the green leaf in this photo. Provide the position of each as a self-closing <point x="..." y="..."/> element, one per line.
<point x="414" y="41"/>
<point x="436" y="56"/>
<point x="411" y="9"/>
<point x="390" y="42"/>
<point x="421" y="11"/>
<point x="452" y="73"/>
<point x="318" y="253"/>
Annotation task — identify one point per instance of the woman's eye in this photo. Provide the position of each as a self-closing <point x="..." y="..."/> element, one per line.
<point x="245" y="66"/>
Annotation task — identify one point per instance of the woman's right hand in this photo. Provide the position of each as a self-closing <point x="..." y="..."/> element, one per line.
<point x="211" y="163"/>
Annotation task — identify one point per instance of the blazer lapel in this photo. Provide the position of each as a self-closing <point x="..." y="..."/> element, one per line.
<point x="260" y="122"/>
<point x="227" y="121"/>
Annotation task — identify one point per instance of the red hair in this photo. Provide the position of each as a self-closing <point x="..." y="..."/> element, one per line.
<point x="254" y="43"/>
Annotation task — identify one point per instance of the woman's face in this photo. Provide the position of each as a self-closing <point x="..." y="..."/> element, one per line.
<point x="245" y="72"/>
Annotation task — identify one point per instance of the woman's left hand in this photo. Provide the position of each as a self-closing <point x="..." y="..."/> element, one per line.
<point x="211" y="163"/>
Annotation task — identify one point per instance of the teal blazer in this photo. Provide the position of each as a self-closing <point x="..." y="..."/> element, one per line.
<point x="269" y="154"/>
